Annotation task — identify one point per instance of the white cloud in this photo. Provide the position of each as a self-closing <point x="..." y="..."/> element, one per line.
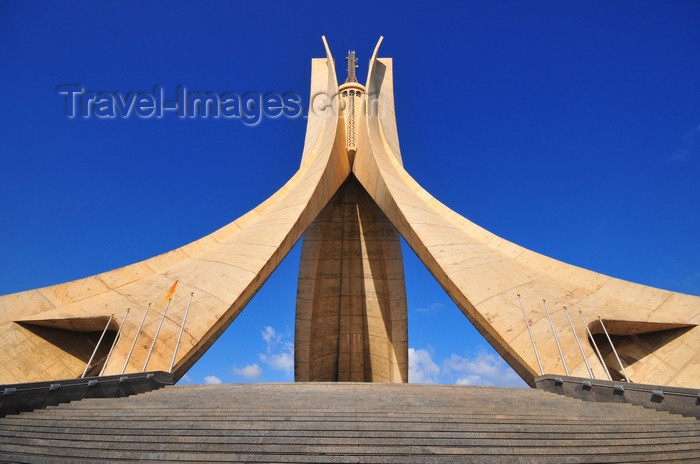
<point x="185" y="379"/>
<point x="421" y="368"/>
<point x="279" y="361"/>
<point x="430" y="308"/>
<point x="251" y="371"/>
<point x="690" y="146"/>
<point x="279" y="353"/>
<point x="269" y="334"/>
<point x="484" y="368"/>
<point x="212" y="380"/>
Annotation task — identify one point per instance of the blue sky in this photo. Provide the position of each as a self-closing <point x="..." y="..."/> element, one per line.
<point x="571" y="128"/>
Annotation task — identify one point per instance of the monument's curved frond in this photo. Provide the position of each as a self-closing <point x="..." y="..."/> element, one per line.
<point x="224" y="270"/>
<point x="483" y="273"/>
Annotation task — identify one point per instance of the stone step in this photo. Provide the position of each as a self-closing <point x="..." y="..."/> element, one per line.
<point x="364" y="416"/>
<point x="346" y="404"/>
<point x="187" y="435"/>
<point x="234" y="443"/>
<point x="311" y="426"/>
<point x="333" y="400"/>
<point x="576" y="406"/>
<point x="621" y="414"/>
<point x="326" y="398"/>
<point x="272" y="453"/>
<point x="670" y="458"/>
<point x="116" y="418"/>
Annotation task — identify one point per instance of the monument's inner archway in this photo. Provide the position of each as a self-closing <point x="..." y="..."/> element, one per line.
<point x="351" y="302"/>
<point x="438" y="333"/>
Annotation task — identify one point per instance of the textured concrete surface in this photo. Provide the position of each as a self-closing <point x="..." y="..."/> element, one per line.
<point x="348" y="422"/>
<point x="351" y="320"/>
<point x="48" y="332"/>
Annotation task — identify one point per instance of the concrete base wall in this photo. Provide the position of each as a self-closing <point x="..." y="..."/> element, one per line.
<point x="685" y="401"/>
<point x="22" y="397"/>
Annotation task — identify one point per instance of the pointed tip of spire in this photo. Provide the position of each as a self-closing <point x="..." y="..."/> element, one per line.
<point x="352" y="66"/>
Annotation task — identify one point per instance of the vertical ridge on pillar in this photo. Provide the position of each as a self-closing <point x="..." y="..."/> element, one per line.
<point x="351" y="299"/>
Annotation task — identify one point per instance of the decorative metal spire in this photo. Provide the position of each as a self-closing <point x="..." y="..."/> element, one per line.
<point x="352" y="65"/>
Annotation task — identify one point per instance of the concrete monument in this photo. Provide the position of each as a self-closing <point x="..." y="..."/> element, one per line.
<point x="351" y="199"/>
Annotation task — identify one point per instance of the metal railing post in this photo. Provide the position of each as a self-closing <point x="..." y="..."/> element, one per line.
<point x="114" y="343"/>
<point x="556" y="339"/>
<point x="162" y="318"/>
<point x="97" y="346"/>
<point x="135" y="338"/>
<point x="595" y="345"/>
<point x="590" y="372"/>
<point x="614" y="350"/>
<point x="532" y="339"/>
<point x="179" y="337"/>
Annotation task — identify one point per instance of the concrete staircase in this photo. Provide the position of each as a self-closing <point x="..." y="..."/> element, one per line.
<point x="344" y="423"/>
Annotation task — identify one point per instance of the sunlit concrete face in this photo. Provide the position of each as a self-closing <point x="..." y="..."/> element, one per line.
<point x="48" y="333"/>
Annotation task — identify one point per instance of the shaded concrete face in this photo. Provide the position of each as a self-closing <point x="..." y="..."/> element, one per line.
<point x="351" y="301"/>
<point x="481" y="272"/>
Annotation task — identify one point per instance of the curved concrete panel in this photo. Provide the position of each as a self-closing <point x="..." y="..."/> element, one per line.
<point x="224" y="270"/>
<point x="484" y="273"/>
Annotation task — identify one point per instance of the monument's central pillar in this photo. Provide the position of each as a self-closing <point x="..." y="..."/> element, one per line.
<point x="351" y="301"/>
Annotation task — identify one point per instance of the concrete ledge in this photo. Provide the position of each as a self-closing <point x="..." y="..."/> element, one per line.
<point x="685" y="401"/>
<point x="22" y="397"/>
